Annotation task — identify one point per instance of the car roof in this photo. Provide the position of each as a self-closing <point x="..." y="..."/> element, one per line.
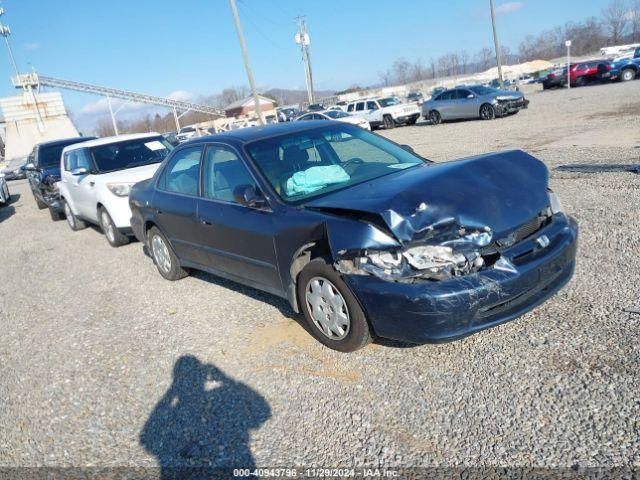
<point x="250" y="134"/>
<point x="65" y="141"/>
<point x="109" y="140"/>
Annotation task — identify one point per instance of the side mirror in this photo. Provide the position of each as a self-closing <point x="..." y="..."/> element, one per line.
<point x="30" y="167"/>
<point x="408" y="148"/>
<point x="79" y="171"/>
<point x="249" y="196"/>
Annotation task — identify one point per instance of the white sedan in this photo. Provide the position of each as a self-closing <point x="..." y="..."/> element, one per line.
<point x="336" y="115"/>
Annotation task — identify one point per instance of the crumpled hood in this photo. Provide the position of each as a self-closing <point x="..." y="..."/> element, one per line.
<point x="501" y="191"/>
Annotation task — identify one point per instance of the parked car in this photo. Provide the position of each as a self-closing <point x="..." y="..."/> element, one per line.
<point x="388" y="111"/>
<point x="526" y="80"/>
<point x="172" y="138"/>
<point x="186" y="133"/>
<point x="475" y="101"/>
<point x="554" y="79"/>
<point x="338" y="115"/>
<point x="43" y="172"/>
<point x="415" y="97"/>
<point x="96" y="177"/>
<point x="360" y="234"/>
<point x="15" y="170"/>
<point x="5" y="196"/>
<point x="288" y="114"/>
<point x="626" y="69"/>
<point x="583" y="73"/>
<point x="315" y="107"/>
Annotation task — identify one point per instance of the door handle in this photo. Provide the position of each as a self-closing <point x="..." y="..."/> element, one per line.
<point x="91" y="184"/>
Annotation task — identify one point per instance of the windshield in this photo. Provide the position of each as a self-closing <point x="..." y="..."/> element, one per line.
<point x="129" y="154"/>
<point x="50" y="156"/>
<point x="481" y="90"/>
<point x="388" y="102"/>
<point x="336" y="114"/>
<point x="312" y="163"/>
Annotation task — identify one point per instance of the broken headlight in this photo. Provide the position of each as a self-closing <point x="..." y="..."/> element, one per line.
<point x="434" y="262"/>
<point x="120" y="189"/>
<point x="554" y="203"/>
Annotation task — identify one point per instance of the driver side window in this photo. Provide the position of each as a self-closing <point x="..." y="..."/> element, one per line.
<point x="223" y="172"/>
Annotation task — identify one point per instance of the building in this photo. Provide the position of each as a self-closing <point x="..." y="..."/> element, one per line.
<point x="246" y="107"/>
<point x="26" y="124"/>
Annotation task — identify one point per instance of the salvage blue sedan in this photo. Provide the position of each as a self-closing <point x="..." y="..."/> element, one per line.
<point x="361" y="235"/>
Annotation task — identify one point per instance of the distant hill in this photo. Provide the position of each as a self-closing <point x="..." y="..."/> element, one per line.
<point x="286" y="97"/>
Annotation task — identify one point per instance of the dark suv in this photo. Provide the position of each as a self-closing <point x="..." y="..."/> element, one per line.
<point x="43" y="171"/>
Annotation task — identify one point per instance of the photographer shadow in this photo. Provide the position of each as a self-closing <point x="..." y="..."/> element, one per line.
<point x="200" y="428"/>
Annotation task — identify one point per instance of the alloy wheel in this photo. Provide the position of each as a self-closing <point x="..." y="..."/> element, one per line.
<point x="327" y="308"/>
<point x="107" y="226"/>
<point x="161" y="253"/>
<point x="69" y="214"/>
<point x="486" y="112"/>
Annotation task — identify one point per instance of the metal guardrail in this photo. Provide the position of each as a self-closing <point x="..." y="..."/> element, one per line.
<point x="34" y="80"/>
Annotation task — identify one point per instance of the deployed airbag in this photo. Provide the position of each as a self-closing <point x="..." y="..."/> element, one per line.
<point x="315" y="178"/>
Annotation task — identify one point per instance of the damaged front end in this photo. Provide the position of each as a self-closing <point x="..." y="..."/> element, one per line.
<point x="448" y="249"/>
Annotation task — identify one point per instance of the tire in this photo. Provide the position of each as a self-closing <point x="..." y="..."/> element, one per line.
<point x="56" y="216"/>
<point x="581" y="82"/>
<point x="321" y="289"/>
<point x="74" y="222"/>
<point x="39" y="203"/>
<point x="412" y="121"/>
<point x="164" y="257"/>
<point x="388" y="122"/>
<point x="627" y="75"/>
<point x="114" y="236"/>
<point x="487" y="112"/>
<point x="435" y="117"/>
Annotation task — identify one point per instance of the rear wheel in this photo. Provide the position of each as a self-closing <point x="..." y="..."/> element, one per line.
<point x="487" y="112"/>
<point x="627" y="75"/>
<point x="114" y="236"/>
<point x="581" y="82"/>
<point x="388" y="122"/>
<point x="74" y="222"/>
<point x="331" y="311"/>
<point x="435" y="117"/>
<point x="163" y="256"/>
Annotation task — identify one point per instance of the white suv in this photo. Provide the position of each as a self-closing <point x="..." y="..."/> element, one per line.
<point x="97" y="175"/>
<point x="388" y="111"/>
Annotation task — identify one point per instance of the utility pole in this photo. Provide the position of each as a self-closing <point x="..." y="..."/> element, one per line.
<point x="497" y="45"/>
<point x="568" y="45"/>
<point x="247" y="66"/>
<point x="302" y="39"/>
<point x="5" y="31"/>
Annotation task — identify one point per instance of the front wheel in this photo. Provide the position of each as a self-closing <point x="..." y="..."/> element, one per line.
<point x="388" y="122"/>
<point x="332" y="313"/>
<point x="114" y="236"/>
<point x="627" y="75"/>
<point x="487" y="112"/>
<point x="39" y="203"/>
<point x="163" y="256"/>
<point x="74" y="222"/>
<point x="435" y="117"/>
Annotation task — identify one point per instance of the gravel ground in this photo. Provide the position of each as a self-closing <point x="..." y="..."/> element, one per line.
<point x="104" y="363"/>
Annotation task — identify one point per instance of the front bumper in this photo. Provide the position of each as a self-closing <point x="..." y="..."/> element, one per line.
<point x="407" y="118"/>
<point x="447" y="310"/>
<point x="507" y="107"/>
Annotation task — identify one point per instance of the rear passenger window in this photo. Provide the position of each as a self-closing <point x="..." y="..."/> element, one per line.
<point x="223" y="172"/>
<point x="182" y="172"/>
<point x="360" y="107"/>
